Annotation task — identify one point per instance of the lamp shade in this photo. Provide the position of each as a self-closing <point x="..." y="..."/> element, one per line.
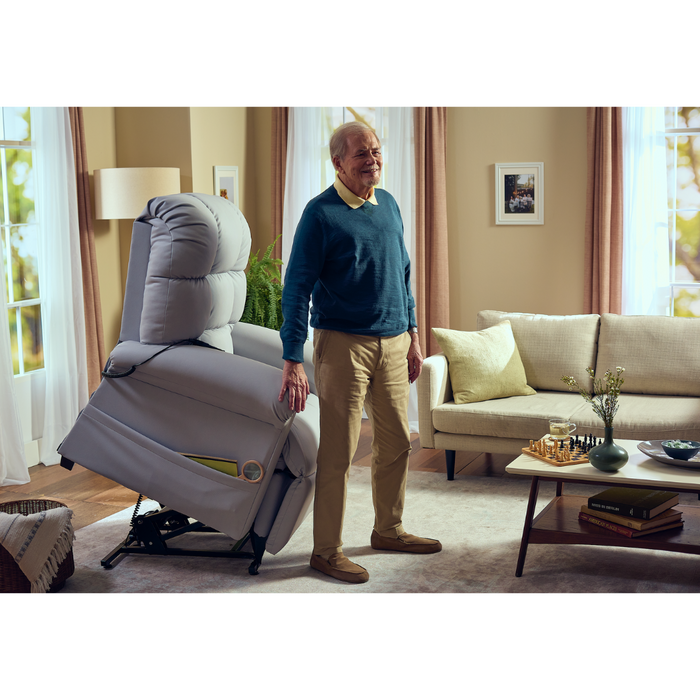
<point x="122" y="193"/>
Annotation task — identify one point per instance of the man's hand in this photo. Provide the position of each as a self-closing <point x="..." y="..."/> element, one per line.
<point x="415" y="358"/>
<point x="295" y="381"/>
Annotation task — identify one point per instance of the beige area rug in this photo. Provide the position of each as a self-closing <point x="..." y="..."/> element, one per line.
<point x="478" y="519"/>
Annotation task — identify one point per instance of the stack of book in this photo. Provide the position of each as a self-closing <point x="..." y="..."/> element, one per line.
<point x="633" y="512"/>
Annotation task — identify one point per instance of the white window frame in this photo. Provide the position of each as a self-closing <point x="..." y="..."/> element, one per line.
<point x="674" y="133"/>
<point x="7" y="226"/>
<point x="29" y="386"/>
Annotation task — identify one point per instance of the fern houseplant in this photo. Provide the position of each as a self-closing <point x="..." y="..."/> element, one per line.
<point x="263" y="304"/>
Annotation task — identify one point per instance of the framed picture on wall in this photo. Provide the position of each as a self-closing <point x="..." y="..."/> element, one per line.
<point x="519" y="194"/>
<point x="226" y="182"/>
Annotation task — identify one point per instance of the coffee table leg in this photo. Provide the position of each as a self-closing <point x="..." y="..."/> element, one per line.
<point x="534" y="490"/>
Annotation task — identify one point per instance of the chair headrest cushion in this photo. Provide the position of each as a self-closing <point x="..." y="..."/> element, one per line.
<point x="195" y="283"/>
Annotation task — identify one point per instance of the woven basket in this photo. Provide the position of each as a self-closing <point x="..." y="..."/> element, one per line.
<point x="12" y="579"/>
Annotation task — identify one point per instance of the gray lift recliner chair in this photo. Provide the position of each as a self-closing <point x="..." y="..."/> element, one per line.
<point x="187" y="378"/>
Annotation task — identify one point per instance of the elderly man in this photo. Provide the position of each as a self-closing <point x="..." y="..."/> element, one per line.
<point x="349" y="256"/>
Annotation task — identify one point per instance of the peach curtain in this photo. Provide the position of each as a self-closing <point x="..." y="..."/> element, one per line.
<point x="280" y="125"/>
<point x="604" y="202"/>
<point x="431" y="268"/>
<point x="94" y="337"/>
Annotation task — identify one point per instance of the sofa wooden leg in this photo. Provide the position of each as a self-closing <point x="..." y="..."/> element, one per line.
<point x="450" y="456"/>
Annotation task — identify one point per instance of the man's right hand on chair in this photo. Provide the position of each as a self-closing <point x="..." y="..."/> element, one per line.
<point x="295" y="381"/>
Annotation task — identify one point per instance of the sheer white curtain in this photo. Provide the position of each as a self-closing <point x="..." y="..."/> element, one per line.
<point x="60" y="277"/>
<point x="400" y="178"/>
<point x="13" y="464"/>
<point x="645" y="252"/>
<point x="309" y="131"/>
<point x="308" y="174"/>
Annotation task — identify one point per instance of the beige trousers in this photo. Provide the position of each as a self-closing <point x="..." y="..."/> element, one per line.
<point x="352" y="371"/>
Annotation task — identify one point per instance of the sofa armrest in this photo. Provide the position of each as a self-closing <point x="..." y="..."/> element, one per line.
<point x="265" y="345"/>
<point x="434" y="388"/>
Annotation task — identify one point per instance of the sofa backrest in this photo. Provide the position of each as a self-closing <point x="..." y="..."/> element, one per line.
<point x="660" y="354"/>
<point x="551" y="346"/>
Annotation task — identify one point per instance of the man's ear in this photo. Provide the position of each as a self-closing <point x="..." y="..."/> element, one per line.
<point x="336" y="164"/>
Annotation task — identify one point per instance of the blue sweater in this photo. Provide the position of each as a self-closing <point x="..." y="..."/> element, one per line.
<point x="354" y="265"/>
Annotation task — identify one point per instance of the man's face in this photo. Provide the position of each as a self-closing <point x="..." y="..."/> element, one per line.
<point x="362" y="165"/>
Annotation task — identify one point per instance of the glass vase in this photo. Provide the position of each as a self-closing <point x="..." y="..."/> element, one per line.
<point x="608" y="457"/>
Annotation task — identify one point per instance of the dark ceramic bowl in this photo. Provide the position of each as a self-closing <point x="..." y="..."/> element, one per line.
<point x="681" y="452"/>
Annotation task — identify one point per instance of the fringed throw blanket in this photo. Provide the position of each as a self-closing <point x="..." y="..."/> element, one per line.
<point x="39" y="543"/>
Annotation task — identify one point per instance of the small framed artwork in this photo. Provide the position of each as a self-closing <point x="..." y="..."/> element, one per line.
<point x="519" y="194"/>
<point x="226" y="182"/>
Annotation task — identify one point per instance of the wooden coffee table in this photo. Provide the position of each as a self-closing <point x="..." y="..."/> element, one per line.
<point x="558" y="521"/>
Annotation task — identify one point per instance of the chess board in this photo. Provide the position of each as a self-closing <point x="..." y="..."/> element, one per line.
<point x="578" y="455"/>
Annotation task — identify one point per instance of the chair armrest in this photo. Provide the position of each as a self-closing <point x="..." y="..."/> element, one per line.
<point x="434" y="388"/>
<point x="265" y="345"/>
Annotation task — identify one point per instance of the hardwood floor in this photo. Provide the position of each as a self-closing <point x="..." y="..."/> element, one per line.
<point x="92" y="497"/>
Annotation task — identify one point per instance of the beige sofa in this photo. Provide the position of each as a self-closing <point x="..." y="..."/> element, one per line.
<point x="660" y="397"/>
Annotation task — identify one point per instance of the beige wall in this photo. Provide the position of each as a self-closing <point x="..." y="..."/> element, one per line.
<point x="155" y="137"/>
<point x="260" y="150"/>
<point x="237" y="136"/>
<point x="101" y="146"/>
<point x="218" y="138"/>
<point x="534" y="269"/>
<point x="514" y="268"/>
<point x="192" y="139"/>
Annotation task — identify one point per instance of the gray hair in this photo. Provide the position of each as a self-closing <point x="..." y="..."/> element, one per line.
<point x="339" y="140"/>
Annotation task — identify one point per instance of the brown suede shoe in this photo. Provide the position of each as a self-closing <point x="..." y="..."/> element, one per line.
<point x="340" y="567"/>
<point x="405" y="543"/>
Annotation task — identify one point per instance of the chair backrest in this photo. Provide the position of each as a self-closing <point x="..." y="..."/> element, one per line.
<point x="186" y="277"/>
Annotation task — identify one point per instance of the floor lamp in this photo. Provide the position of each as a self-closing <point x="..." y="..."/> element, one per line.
<point x="122" y="193"/>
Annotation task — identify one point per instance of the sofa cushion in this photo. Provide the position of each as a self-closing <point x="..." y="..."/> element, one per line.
<point x="521" y="417"/>
<point x="659" y="353"/>
<point x="645" y="417"/>
<point x="551" y="346"/>
<point x="483" y="364"/>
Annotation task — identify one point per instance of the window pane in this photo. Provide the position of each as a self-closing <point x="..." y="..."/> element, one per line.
<point x="2" y="186"/>
<point x="686" y="301"/>
<point x="16" y="124"/>
<point x="363" y="114"/>
<point x="334" y="118"/>
<point x="20" y="185"/>
<point x="671" y="170"/>
<point x="25" y="266"/>
<point x="687" y="247"/>
<point x="688" y="173"/>
<point x="688" y="117"/>
<point x="12" y="315"/>
<point x="32" y="344"/>
<point x="3" y="259"/>
<point x="670" y="114"/>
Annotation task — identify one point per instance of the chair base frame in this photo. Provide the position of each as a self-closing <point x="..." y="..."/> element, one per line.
<point x="151" y="532"/>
